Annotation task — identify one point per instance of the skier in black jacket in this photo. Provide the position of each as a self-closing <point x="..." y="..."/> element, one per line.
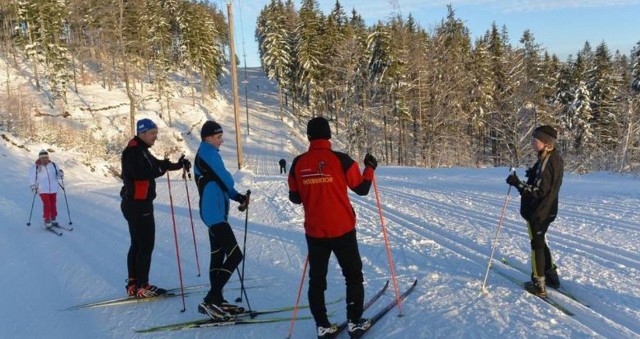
<point x="139" y="170"/>
<point x="539" y="206"/>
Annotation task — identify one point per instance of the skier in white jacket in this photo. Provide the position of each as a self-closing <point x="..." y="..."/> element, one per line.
<point x="43" y="178"/>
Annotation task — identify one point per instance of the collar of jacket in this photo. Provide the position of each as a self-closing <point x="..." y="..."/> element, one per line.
<point x="319" y="144"/>
<point x="208" y="146"/>
<point x="543" y="153"/>
<point x="136" y="141"/>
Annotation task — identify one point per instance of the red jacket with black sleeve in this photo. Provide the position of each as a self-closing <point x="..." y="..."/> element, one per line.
<point x="318" y="179"/>
<point x="139" y="171"/>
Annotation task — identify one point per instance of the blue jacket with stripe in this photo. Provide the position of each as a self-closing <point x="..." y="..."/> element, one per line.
<point x="215" y="185"/>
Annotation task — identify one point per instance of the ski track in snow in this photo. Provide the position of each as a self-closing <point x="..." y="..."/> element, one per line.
<point x="435" y="210"/>
<point x="440" y="224"/>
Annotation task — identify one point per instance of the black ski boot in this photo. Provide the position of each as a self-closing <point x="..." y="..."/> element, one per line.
<point x="537" y="287"/>
<point x="214" y="311"/>
<point x="357" y="328"/>
<point x="231" y="308"/>
<point x="552" y="278"/>
<point x="327" y="330"/>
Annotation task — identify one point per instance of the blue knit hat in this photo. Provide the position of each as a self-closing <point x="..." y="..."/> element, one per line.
<point x="144" y="125"/>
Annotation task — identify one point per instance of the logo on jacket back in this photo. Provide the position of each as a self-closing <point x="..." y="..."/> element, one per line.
<point x="318" y="177"/>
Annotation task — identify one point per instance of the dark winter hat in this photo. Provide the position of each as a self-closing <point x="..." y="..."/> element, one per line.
<point x="43" y="154"/>
<point x="546" y="134"/>
<point x="144" y="125"/>
<point x="210" y="127"/>
<point x="318" y="128"/>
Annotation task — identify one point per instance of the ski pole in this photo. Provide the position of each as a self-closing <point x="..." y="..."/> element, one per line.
<point x="495" y="239"/>
<point x="66" y="202"/>
<point x="244" y="290"/>
<point x="244" y="248"/>
<point x="31" y="212"/>
<point x="175" y="236"/>
<point x="386" y="244"/>
<point x="193" y="232"/>
<point x="295" y="308"/>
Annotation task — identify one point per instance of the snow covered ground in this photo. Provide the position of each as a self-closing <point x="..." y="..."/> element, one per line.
<point x="440" y="223"/>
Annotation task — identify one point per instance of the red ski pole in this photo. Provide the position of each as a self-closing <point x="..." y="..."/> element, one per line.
<point x="175" y="236"/>
<point x="386" y="245"/>
<point x="295" y="308"/>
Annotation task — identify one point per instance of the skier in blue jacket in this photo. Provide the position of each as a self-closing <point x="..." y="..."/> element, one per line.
<point x="216" y="188"/>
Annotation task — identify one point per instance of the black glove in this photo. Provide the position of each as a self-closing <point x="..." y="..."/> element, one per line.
<point x="370" y="161"/>
<point x="513" y="180"/>
<point x="185" y="163"/>
<point x="164" y="165"/>
<point x="529" y="172"/>
<point x="243" y="200"/>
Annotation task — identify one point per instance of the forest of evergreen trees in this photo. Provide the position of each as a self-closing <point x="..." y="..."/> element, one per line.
<point x="440" y="99"/>
<point x="126" y="44"/>
<point x="413" y="97"/>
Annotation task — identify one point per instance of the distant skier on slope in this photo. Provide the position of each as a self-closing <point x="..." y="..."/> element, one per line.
<point x="283" y="166"/>
<point x="539" y="206"/>
<point x="216" y="187"/>
<point x="139" y="171"/>
<point x="318" y="179"/>
<point x="43" y="179"/>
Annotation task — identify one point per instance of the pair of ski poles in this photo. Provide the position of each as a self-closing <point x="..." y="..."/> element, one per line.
<point x="33" y="200"/>
<point x="389" y="257"/>
<point x="186" y="173"/>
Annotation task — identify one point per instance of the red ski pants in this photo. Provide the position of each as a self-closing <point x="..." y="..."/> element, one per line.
<point x="50" y="211"/>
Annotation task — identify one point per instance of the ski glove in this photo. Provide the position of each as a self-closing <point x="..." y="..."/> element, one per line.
<point x="185" y="163"/>
<point x="34" y="188"/>
<point x="370" y="161"/>
<point x="514" y="181"/>
<point x="61" y="174"/>
<point x="243" y="199"/>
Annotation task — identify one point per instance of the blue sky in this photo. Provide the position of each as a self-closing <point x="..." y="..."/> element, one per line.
<point x="560" y="26"/>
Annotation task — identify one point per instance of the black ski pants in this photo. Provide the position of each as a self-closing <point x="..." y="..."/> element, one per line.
<point x="346" y="250"/>
<point x="541" y="260"/>
<point x="223" y="244"/>
<point x="142" y="229"/>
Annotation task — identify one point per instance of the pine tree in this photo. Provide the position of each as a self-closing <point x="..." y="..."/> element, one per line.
<point x="275" y="50"/>
<point x="44" y="23"/>
<point x="309" y="52"/>
<point x="482" y="97"/>
<point x="581" y="124"/>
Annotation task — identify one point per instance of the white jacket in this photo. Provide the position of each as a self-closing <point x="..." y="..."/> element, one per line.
<point x="45" y="176"/>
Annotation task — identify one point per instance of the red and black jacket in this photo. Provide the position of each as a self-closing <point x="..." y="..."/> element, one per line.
<point x="318" y="179"/>
<point x="139" y="170"/>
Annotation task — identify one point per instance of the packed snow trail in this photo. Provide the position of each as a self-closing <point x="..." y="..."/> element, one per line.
<point x="440" y="223"/>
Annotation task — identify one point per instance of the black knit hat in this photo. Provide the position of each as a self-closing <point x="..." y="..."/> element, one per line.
<point x="210" y="127"/>
<point x="546" y="134"/>
<point x="318" y="128"/>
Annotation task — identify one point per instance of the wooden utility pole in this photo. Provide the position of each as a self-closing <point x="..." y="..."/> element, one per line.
<point x="234" y="84"/>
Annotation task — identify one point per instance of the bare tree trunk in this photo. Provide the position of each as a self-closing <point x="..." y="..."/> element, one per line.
<point x="34" y="62"/>
<point x="193" y="86"/>
<point x="169" y="111"/>
<point x="280" y="103"/>
<point x="627" y="137"/>
<point x="127" y="81"/>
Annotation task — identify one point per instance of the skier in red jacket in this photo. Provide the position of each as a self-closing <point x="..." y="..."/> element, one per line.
<point x="318" y="180"/>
